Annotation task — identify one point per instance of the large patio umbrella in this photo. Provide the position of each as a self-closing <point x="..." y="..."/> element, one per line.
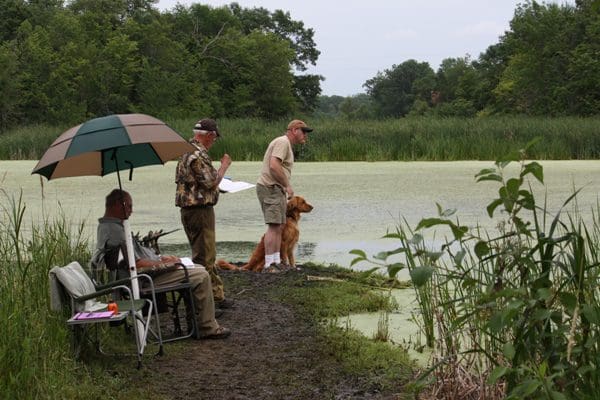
<point x="110" y="144"/>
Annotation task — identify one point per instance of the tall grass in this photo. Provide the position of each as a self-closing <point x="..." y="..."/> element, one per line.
<point x="406" y="139"/>
<point x="515" y="314"/>
<point x="35" y="351"/>
<point x="34" y="340"/>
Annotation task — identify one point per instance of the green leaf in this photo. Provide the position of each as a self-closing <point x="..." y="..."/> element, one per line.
<point x="497" y="373"/>
<point x="526" y="200"/>
<point x="534" y="169"/>
<point x="526" y="388"/>
<point x="490" y="177"/>
<point x="512" y="187"/>
<point x="358" y="252"/>
<point x="496" y="322"/>
<point x="421" y="275"/>
<point x="458" y="231"/>
<point x="541" y="315"/>
<point x="394" y="235"/>
<point x="522" y="226"/>
<point x="429" y="222"/>
<point x="485" y="171"/>
<point x="356" y="260"/>
<point x="507" y="200"/>
<point x="393" y="269"/>
<point x="591" y="313"/>
<point x="362" y="256"/>
<point x="508" y="350"/>
<point x="481" y="249"/>
<point x="543" y="294"/>
<point x="568" y="300"/>
<point x="554" y="395"/>
<point x="492" y="207"/>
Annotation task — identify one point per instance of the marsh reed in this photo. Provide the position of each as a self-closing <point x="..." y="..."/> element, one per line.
<point x="406" y="139"/>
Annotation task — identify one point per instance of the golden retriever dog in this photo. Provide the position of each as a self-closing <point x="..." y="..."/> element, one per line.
<point x="289" y="238"/>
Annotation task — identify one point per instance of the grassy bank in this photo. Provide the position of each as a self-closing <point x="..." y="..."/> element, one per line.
<point x="35" y="357"/>
<point x="407" y="139"/>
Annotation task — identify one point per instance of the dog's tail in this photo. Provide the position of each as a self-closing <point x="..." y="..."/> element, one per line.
<point x="227" y="266"/>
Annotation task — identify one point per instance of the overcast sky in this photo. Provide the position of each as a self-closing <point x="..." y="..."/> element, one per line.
<point x="358" y="38"/>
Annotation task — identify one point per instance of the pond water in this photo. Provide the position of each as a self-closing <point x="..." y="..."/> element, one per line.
<point x="355" y="203"/>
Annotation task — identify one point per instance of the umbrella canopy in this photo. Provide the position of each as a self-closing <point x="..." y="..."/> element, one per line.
<point x="112" y="143"/>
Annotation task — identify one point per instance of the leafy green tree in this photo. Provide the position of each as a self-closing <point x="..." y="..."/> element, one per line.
<point x="307" y="89"/>
<point x="395" y="90"/>
<point x="359" y="106"/>
<point x="300" y="39"/>
<point x="329" y="105"/>
<point x="9" y="87"/>
<point x="487" y="72"/>
<point x="540" y="43"/>
<point x="12" y="14"/>
<point x="450" y="77"/>
<point x="584" y="68"/>
<point x="239" y="65"/>
<point x="34" y="55"/>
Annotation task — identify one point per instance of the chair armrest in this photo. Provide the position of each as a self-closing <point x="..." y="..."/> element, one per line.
<point x="100" y="292"/>
<point x="185" y="270"/>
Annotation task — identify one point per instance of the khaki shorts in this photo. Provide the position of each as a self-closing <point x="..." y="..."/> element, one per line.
<point x="273" y="202"/>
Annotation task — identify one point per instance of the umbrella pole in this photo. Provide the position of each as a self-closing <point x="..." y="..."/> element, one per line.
<point x="135" y="288"/>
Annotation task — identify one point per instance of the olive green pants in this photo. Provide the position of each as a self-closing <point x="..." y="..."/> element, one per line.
<point x="199" y="226"/>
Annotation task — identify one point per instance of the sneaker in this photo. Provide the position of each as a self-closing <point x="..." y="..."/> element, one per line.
<point x="220" y="333"/>
<point x="225" y="303"/>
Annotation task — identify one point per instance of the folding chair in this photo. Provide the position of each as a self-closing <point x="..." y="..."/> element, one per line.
<point x="175" y="299"/>
<point x="73" y="282"/>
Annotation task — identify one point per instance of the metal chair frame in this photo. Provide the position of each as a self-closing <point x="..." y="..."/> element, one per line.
<point x="130" y="310"/>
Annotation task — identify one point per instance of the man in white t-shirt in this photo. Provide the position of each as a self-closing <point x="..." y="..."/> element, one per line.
<point x="273" y="188"/>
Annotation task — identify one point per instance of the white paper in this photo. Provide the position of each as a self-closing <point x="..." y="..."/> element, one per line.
<point x="229" y="186"/>
<point x="187" y="262"/>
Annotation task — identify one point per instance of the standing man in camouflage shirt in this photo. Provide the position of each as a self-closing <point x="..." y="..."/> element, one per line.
<point x="197" y="194"/>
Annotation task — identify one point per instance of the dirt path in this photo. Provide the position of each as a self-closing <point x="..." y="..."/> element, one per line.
<point x="273" y="353"/>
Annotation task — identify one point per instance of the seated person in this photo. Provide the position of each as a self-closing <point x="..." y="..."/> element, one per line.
<point x="118" y="207"/>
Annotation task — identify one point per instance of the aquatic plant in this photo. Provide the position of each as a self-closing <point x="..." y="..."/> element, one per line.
<point x="515" y="311"/>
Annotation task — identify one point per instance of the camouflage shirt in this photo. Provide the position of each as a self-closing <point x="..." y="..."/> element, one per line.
<point x="196" y="179"/>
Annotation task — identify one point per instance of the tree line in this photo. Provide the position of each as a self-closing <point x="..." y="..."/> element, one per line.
<point x="546" y="64"/>
<point x="62" y="62"/>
